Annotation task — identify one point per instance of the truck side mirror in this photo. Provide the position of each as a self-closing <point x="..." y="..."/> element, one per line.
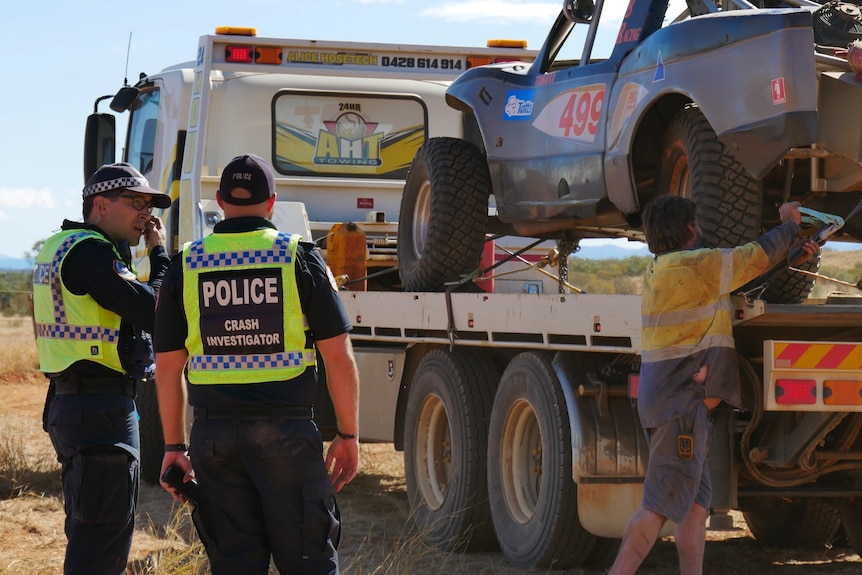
<point x="124" y="99"/>
<point x="578" y="11"/>
<point x="99" y="142"/>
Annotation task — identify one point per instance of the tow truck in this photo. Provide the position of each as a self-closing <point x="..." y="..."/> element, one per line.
<point x="517" y="411"/>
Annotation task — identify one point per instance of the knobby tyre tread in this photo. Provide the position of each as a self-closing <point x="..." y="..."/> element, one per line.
<point x="455" y="219"/>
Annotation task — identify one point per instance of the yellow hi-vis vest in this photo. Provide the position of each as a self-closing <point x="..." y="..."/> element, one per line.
<point x="687" y="308"/>
<point x="242" y="306"/>
<point x="70" y="327"/>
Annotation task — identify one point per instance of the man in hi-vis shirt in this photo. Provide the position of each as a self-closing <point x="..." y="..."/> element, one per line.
<point x="243" y="313"/>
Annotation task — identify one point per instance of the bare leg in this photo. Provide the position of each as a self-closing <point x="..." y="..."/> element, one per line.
<point x="639" y="537"/>
<point x="690" y="538"/>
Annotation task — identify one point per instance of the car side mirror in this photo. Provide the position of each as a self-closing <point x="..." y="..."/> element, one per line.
<point x="578" y="11"/>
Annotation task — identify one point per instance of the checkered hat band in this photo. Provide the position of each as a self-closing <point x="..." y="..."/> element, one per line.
<point x="280" y="253"/>
<point x="126" y="182"/>
<point x="254" y="361"/>
<point x="77" y="332"/>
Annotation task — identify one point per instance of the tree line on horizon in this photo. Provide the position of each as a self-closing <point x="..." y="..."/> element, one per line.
<point x="593" y="276"/>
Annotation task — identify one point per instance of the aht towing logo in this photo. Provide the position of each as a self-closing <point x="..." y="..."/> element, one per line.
<point x="348" y="141"/>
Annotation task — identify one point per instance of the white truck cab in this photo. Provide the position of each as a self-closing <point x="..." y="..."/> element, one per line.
<point x="339" y="122"/>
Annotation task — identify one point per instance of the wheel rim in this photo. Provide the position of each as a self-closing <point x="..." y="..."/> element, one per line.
<point x="421" y="218"/>
<point x="680" y="181"/>
<point x="433" y="452"/>
<point x="521" y="472"/>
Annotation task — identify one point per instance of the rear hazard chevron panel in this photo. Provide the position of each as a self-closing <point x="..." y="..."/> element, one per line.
<point x="792" y="355"/>
<point x="812" y="376"/>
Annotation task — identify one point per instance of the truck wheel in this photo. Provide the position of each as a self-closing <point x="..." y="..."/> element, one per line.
<point x="445" y="445"/>
<point x="533" y="497"/>
<point x="808" y="522"/>
<point x="152" y="440"/>
<point x="851" y="522"/>
<point x="696" y="165"/>
<point x="444" y="210"/>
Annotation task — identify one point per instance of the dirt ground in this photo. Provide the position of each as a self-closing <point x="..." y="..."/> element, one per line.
<point x="376" y="538"/>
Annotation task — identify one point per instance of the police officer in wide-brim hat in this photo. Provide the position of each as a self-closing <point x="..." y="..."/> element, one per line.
<point x="92" y="317"/>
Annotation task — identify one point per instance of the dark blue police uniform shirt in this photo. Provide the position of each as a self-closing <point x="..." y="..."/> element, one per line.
<point x="320" y="303"/>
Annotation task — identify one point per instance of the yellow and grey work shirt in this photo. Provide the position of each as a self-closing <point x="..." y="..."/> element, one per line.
<point x="687" y="323"/>
<point x="70" y="327"/>
<point x="243" y="309"/>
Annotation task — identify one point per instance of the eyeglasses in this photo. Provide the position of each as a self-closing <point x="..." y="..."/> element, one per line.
<point x="138" y="202"/>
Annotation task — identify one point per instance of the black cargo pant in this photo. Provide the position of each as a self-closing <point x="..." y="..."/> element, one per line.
<point x="264" y="492"/>
<point x="98" y="446"/>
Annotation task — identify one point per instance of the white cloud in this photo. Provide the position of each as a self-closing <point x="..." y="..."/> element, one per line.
<point x="496" y="11"/>
<point x="12" y="198"/>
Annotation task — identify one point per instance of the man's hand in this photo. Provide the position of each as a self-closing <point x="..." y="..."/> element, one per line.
<point x="806" y="251"/>
<point x="790" y="211"/>
<point x="155" y="233"/>
<point x="342" y="461"/>
<point x="181" y="460"/>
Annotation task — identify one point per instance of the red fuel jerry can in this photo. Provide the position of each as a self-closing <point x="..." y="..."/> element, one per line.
<point x="346" y="254"/>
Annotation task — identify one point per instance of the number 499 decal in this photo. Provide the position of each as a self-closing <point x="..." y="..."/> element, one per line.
<point x="574" y="115"/>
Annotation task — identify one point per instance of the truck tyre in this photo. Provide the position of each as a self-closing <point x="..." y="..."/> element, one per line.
<point x="533" y="497"/>
<point x="808" y="522"/>
<point x="696" y="165"/>
<point x="851" y="522"/>
<point x="445" y="445"/>
<point x="150" y="425"/>
<point x="444" y="211"/>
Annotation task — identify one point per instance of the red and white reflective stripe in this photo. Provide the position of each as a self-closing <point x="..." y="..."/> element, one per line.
<point x="841" y="356"/>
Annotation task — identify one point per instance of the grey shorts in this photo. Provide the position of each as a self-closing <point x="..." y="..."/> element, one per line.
<point x="673" y="484"/>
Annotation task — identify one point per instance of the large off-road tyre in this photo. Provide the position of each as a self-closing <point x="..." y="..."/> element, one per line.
<point x="445" y="445"/>
<point x="696" y="165"/>
<point x="444" y="211"/>
<point x="808" y="522"/>
<point x="790" y="286"/>
<point x="533" y="497"/>
<point x="152" y="439"/>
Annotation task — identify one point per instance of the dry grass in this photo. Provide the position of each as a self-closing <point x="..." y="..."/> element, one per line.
<point x="27" y="464"/>
<point x="182" y="552"/>
<point x="18" y="352"/>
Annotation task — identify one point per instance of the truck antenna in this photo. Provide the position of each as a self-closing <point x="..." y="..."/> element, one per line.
<point x="128" y="50"/>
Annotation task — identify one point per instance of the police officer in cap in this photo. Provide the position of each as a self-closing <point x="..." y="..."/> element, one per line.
<point x="242" y="313"/>
<point x="91" y="313"/>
